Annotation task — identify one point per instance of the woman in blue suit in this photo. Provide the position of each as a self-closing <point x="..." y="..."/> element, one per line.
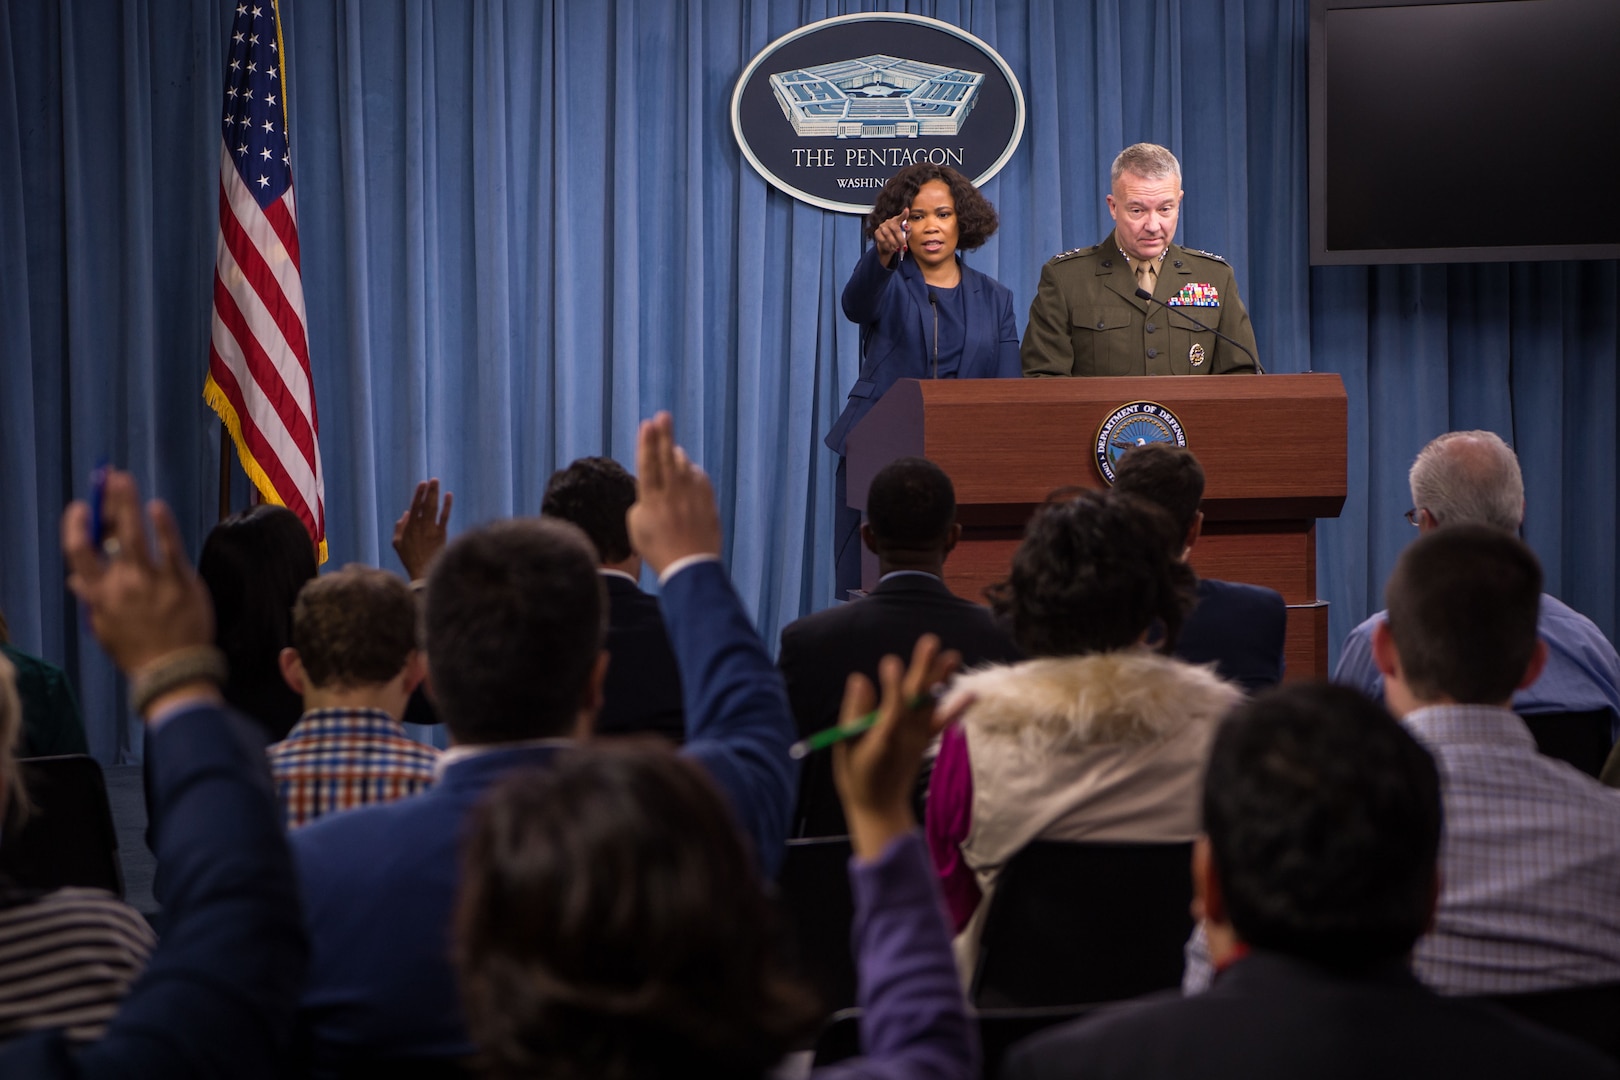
<point x="924" y="314"/>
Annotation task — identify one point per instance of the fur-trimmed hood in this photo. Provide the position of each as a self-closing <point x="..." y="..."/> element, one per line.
<point x="1131" y="696"/>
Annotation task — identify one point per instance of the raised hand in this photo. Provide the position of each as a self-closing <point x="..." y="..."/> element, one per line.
<point x="419" y="534"/>
<point x="674" y="515"/>
<point x="875" y="773"/>
<point x="142" y="609"/>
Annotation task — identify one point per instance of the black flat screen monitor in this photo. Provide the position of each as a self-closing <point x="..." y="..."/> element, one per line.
<point x="1483" y="131"/>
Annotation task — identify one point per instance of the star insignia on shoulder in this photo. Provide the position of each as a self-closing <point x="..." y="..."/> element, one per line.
<point x="1072" y="252"/>
<point x="1206" y="255"/>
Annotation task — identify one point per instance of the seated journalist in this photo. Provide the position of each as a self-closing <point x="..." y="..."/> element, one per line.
<point x="67" y="955"/>
<point x="515" y="617"/>
<point x="355" y="660"/>
<point x="1315" y="876"/>
<point x="1098" y="737"/>
<point x="1240" y="628"/>
<point x="642" y="690"/>
<point x="583" y="955"/>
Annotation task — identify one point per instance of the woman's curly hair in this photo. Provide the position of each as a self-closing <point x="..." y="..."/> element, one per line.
<point x="1095" y="572"/>
<point x="976" y="219"/>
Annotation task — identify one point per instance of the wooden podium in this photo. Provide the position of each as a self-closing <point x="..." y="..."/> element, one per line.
<point x="1272" y="447"/>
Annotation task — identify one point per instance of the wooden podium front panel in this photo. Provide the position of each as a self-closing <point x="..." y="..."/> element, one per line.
<point x="1305" y="649"/>
<point x="1278" y="555"/>
<point x="1273" y="449"/>
<point x="1273" y="446"/>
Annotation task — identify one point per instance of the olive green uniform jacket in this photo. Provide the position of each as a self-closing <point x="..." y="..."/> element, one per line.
<point x="1087" y="319"/>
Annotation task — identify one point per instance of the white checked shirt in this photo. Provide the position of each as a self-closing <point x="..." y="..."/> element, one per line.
<point x="1529" y="863"/>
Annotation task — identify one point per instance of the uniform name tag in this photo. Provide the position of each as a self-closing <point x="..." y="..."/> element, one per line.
<point x="1201" y="294"/>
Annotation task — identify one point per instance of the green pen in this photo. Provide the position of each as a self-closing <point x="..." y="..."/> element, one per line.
<point x="829" y="736"/>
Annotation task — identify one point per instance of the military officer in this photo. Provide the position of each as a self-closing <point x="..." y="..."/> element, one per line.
<point x="1087" y="318"/>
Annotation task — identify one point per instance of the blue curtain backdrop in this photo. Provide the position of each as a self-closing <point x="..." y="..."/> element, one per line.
<point x="525" y="226"/>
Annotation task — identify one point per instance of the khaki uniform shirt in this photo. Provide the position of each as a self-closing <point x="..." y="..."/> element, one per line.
<point x="1087" y="320"/>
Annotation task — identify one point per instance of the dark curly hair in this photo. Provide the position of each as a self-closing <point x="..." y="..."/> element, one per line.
<point x="976" y="219"/>
<point x="1094" y="573"/>
<point x="611" y="927"/>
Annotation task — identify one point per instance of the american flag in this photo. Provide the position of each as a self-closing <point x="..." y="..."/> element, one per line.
<point x="258" y="358"/>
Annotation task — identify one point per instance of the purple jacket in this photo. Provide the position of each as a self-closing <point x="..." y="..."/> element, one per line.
<point x="914" y="1024"/>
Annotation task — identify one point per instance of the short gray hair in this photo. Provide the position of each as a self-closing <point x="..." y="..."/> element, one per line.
<point x="1469" y="477"/>
<point x="1148" y="160"/>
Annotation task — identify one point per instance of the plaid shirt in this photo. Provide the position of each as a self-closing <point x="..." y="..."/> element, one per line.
<point x="1530" y="862"/>
<point x="1529" y="865"/>
<point x="337" y="759"/>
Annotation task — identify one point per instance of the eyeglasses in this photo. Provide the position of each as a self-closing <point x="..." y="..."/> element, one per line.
<point x="1413" y="519"/>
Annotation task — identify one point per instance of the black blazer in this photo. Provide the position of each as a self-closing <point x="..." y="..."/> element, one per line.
<point x="1240" y="628"/>
<point x="1270" y="1015"/>
<point x="643" y="688"/>
<point x="819" y="651"/>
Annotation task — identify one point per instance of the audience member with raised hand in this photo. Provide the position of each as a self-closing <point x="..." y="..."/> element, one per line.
<point x="420" y="532"/>
<point x="514" y="630"/>
<point x="419" y="535"/>
<point x="217" y="998"/>
<point x="732" y="690"/>
<point x="580" y="956"/>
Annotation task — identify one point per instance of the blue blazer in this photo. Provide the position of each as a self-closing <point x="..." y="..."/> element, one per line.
<point x="892" y="308"/>
<point x="379" y="882"/>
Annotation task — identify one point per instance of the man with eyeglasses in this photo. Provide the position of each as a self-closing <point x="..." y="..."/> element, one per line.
<point x="1473" y="478"/>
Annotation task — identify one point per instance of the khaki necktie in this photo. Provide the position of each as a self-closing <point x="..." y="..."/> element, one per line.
<point x="1147" y="275"/>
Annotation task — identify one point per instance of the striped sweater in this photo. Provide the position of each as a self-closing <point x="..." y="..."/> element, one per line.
<point x="67" y="958"/>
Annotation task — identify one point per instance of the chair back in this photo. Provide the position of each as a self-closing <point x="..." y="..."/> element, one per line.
<point x="1590" y="1014"/>
<point x="420" y="1068"/>
<point x="999" y="1031"/>
<point x="814" y="889"/>
<point x="1583" y="739"/>
<point x="68" y="838"/>
<point x="1077" y="923"/>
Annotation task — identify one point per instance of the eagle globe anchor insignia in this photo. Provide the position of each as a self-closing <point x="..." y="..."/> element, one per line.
<point x="1136" y="423"/>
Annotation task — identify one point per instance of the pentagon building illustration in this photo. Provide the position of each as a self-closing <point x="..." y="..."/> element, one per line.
<point x="877" y="97"/>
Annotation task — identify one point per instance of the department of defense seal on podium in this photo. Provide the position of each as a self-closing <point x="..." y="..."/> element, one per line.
<point x="1134" y="424"/>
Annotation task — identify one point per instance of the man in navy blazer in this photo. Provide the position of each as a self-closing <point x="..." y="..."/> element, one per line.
<point x="911" y="527"/>
<point x="514" y="622"/>
<point x="1237" y="627"/>
<point x="642" y="692"/>
<point x="1317" y="874"/>
<point x="218" y="995"/>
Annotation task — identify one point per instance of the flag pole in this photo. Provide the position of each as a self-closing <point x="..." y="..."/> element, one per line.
<point x="224" y="472"/>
